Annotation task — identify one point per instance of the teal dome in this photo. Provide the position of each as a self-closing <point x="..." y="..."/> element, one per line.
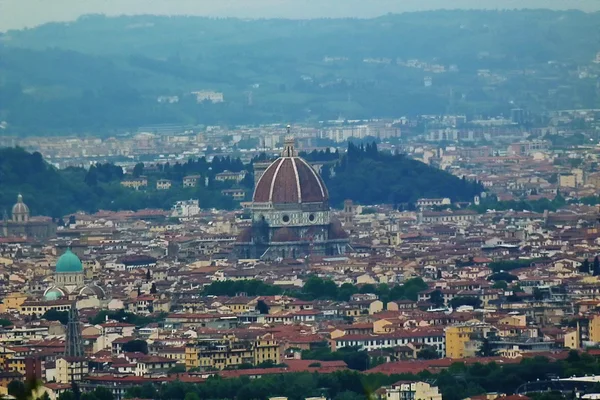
<point x="53" y="294"/>
<point x="68" y="263"/>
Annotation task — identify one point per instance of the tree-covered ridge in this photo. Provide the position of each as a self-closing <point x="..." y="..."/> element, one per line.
<point x="57" y="192"/>
<point x="103" y="74"/>
<point x="369" y="176"/>
<point x="362" y="174"/>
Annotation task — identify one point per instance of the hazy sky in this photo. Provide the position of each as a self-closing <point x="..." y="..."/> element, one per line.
<point x="27" y="13"/>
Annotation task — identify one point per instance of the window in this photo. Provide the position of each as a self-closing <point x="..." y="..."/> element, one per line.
<point x="311" y="218"/>
<point x="285" y="218"/>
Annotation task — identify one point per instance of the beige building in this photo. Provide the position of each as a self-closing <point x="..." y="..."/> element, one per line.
<point x="70" y="369"/>
<point x="228" y="176"/>
<point x="135" y="183"/>
<point x="567" y="180"/>
<point x="163" y="184"/>
<point x="571" y="340"/>
<point x="410" y="390"/>
<point x="191" y="181"/>
<point x="236" y="194"/>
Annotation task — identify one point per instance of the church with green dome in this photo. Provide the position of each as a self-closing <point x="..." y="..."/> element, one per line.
<point x="69" y="280"/>
<point x="69" y="263"/>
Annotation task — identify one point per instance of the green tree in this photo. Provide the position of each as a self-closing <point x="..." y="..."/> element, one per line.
<point x="584" y="268"/>
<point x="16" y="389"/>
<point x="437" y="298"/>
<point x="191" y="396"/>
<point x="503" y="276"/>
<point x="465" y="301"/>
<point x="136" y="346"/>
<point x="54" y="315"/>
<point x="103" y="393"/>
<point x="500" y="285"/>
<point x="428" y="353"/>
<point x="138" y="170"/>
<point x="67" y="395"/>
<point x="177" y="369"/>
<point x="486" y="349"/>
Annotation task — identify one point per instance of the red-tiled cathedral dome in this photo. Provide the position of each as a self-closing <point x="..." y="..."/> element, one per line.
<point x="290" y="179"/>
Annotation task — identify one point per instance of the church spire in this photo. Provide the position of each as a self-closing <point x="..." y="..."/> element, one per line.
<point x="288" y="148"/>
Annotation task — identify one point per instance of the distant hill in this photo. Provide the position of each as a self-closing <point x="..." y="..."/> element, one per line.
<point x="367" y="176"/>
<point x="56" y="193"/>
<point x="101" y="75"/>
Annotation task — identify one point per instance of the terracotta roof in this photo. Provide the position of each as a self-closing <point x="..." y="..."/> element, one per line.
<point x="290" y="180"/>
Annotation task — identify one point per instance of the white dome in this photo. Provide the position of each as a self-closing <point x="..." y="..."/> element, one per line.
<point x="20" y="208"/>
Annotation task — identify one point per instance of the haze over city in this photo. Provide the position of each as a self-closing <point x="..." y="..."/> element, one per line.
<point x="300" y="199"/>
<point x="17" y="14"/>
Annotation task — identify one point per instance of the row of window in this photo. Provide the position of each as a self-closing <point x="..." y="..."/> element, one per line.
<point x="390" y="342"/>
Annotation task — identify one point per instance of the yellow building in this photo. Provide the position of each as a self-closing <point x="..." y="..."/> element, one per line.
<point x="460" y="338"/>
<point x="40" y="307"/>
<point x="12" y="301"/>
<point x="229" y="351"/>
<point x="6" y="378"/>
<point x="266" y="348"/>
<point x="589" y="329"/>
<point x="5" y="354"/>
<point x="456" y="338"/>
<point x="571" y="340"/>
<point x="514" y="320"/>
<point x="241" y="304"/>
<point x="218" y="353"/>
<point x="16" y="364"/>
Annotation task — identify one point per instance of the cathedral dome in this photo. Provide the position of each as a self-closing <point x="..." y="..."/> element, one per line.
<point x="290" y="179"/>
<point x="68" y="263"/>
<point x="20" y="208"/>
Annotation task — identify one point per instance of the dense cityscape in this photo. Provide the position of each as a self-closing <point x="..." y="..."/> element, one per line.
<point x="309" y="237"/>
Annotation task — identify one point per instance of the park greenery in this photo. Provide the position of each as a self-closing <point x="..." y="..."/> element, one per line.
<point x="316" y="288"/>
<point x="538" y="206"/>
<point x="126" y="317"/>
<point x="105" y="75"/>
<point x="363" y="174"/>
<point x="508" y="265"/>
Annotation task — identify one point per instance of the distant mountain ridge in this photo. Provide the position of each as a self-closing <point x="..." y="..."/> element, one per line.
<point x="100" y="75"/>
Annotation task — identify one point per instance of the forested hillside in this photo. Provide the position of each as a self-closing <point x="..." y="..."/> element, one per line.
<point x="101" y="75"/>
<point x="363" y="174"/>
<point x="369" y="176"/>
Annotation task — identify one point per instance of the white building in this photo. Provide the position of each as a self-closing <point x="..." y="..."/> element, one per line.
<point x="204" y="95"/>
<point x="185" y="209"/>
